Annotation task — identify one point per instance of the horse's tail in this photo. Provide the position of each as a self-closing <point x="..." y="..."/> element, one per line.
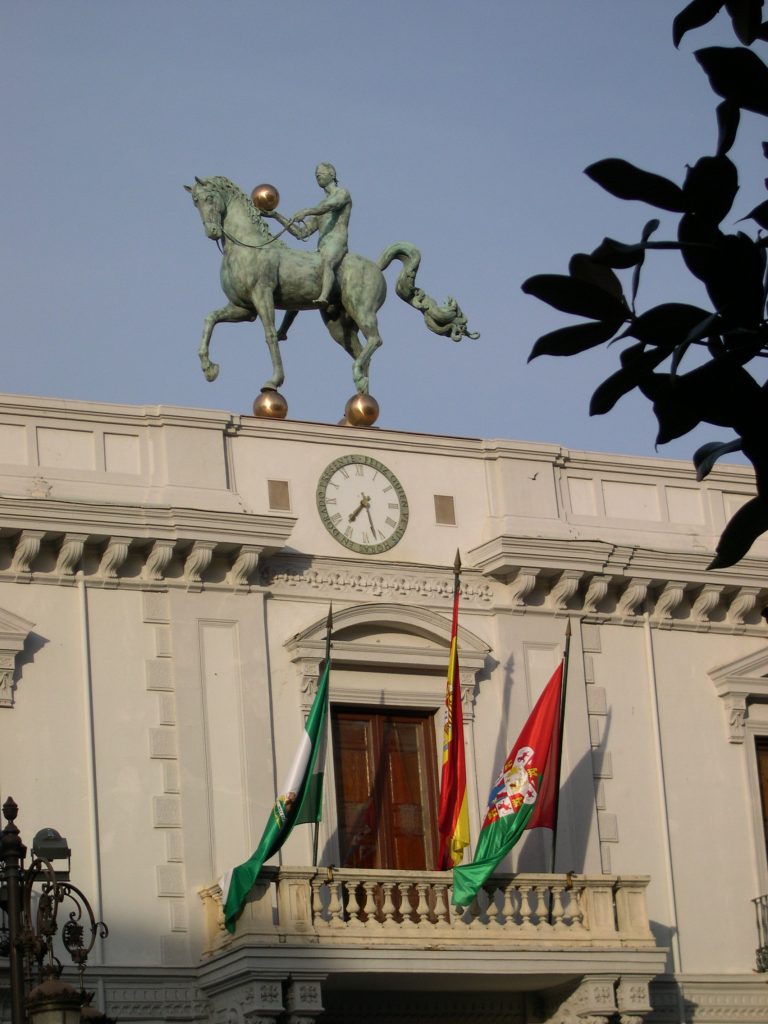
<point x="447" y="319"/>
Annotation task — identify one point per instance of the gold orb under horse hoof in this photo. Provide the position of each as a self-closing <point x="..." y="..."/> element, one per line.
<point x="265" y="198"/>
<point x="270" y="405"/>
<point x="361" y="411"/>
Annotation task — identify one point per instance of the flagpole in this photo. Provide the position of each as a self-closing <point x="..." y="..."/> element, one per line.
<point x="566" y="650"/>
<point x="326" y="664"/>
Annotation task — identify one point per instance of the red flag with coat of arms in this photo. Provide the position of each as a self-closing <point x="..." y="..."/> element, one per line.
<point x="515" y="794"/>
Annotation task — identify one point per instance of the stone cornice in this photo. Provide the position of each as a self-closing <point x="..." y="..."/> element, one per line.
<point x="100" y="520"/>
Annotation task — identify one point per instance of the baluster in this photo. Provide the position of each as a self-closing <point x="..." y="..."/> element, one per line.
<point x="443" y="911"/>
<point x="388" y="908"/>
<point x="540" y="909"/>
<point x="525" y="907"/>
<point x="355" y="906"/>
<point x="476" y="911"/>
<point x="319" y="917"/>
<point x="335" y="905"/>
<point x="423" y="917"/>
<point x="371" y="910"/>
<point x="493" y="910"/>
<point x="408" y="913"/>
<point x="508" y="904"/>
<point x="576" y="908"/>
<point x="556" y="917"/>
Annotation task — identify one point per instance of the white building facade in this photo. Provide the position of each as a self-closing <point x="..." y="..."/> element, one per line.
<point x="165" y="578"/>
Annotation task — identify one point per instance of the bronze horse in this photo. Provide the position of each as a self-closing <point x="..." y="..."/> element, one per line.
<point x="259" y="274"/>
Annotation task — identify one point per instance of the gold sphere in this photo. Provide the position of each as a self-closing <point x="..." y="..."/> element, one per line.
<point x="361" y="411"/>
<point x="270" y="405"/>
<point x="265" y="198"/>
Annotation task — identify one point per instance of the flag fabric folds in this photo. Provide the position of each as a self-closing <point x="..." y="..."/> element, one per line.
<point x="453" y="817"/>
<point x="301" y="801"/>
<point x="513" y="798"/>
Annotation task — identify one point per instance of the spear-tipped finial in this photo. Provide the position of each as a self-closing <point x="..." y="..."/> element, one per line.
<point x="568" y="628"/>
<point x="329" y="620"/>
<point x="457" y="563"/>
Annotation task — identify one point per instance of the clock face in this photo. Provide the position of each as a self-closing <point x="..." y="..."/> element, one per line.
<point x="362" y="504"/>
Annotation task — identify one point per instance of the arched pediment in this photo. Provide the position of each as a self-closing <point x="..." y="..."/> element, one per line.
<point x="13" y="633"/>
<point x="389" y="635"/>
<point x="739" y="684"/>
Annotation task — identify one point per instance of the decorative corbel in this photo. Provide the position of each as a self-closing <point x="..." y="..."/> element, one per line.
<point x="70" y="553"/>
<point x="198" y="560"/>
<point x="244" y="565"/>
<point x="633" y="597"/>
<point x="115" y="554"/>
<point x="565" y="588"/>
<point x="522" y="585"/>
<point x="596" y="593"/>
<point x="669" y="599"/>
<point x="26" y="551"/>
<point x="158" y="559"/>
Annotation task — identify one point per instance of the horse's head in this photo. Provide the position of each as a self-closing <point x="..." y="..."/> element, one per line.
<point x="210" y="205"/>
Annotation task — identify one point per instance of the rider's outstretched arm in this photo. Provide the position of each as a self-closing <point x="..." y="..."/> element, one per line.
<point x="299" y="231"/>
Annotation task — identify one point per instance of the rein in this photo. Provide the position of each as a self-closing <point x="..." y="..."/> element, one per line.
<point x="249" y="245"/>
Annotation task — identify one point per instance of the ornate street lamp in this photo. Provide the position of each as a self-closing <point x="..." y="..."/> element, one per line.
<point x="30" y="899"/>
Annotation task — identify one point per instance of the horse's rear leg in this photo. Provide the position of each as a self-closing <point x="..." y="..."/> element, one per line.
<point x="343" y="330"/>
<point x="230" y="314"/>
<point x="361" y="366"/>
<point x="264" y="302"/>
<point x="285" y="326"/>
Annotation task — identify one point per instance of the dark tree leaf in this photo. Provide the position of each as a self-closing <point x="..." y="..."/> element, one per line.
<point x="731" y="267"/>
<point x="587" y="269"/>
<point x="704" y="458"/>
<point x="667" y="325"/>
<point x="719" y="392"/>
<point x="636" y="364"/>
<point x="618" y="254"/>
<point x="696" y="14"/>
<point x="741" y="533"/>
<point x="759" y="214"/>
<point x="728" y="117"/>
<point x="765" y="149"/>
<point x="569" y="341"/>
<point x="626" y="181"/>
<point x="736" y="74"/>
<point x="710" y="187"/>
<point x="763" y="32"/>
<point x="572" y="295"/>
<point x="741" y="279"/>
<point x="648" y="230"/>
<point x="745" y="16"/>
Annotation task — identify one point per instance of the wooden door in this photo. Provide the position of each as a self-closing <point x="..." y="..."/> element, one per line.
<point x="386" y="789"/>
<point x="761" y="746"/>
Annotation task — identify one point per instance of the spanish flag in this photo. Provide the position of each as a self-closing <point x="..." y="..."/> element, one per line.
<point x="453" y="818"/>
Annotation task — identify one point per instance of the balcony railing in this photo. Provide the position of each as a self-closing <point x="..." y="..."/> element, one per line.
<point x="326" y="906"/>
<point x="761" y="911"/>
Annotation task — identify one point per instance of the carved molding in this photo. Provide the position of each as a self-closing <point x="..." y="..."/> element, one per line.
<point x="360" y="580"/>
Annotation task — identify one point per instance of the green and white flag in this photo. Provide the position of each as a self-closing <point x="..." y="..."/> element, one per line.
<point x="301" y="801"/>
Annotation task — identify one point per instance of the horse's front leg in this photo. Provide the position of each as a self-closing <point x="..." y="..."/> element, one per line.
<point x="264" y="303"/>
<point x="231" y="314"/>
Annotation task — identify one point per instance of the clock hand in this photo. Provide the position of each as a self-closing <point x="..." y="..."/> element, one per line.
<point x="373" y="528"/>
<point x="363" y="504"/>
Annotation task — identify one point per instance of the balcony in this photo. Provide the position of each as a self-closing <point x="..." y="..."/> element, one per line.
<point x="531" y="930"/>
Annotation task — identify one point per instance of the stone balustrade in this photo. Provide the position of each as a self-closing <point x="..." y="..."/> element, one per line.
<point x="328" y="906"/>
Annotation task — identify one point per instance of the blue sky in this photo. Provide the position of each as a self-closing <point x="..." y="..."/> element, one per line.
<point x="463" y="128"/>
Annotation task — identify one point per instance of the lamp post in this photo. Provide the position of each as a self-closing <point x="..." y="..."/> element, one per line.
<point x="27" y="934"/>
